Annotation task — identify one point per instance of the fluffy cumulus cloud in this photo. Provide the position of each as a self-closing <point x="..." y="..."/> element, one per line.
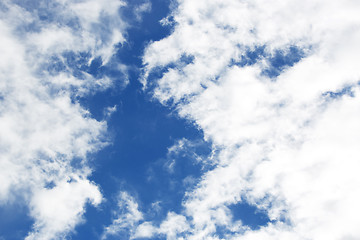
<point x="46" y="48"/>
<point x="274" y="85"/>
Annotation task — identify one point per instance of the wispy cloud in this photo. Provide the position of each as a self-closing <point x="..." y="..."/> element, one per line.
<point x="127" y="217"/>
<point x="141" y="9"/>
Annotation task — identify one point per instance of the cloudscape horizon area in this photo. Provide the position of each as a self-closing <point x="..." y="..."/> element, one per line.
<point x="179" y="119"/>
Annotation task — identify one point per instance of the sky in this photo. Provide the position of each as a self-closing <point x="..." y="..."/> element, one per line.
<point x="179" y="119"/>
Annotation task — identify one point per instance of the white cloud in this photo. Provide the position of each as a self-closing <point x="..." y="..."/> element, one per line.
<point x="183" y="149"/>
<point x="141" y="9"/>
<point x="127" y="216"/>
<point x="45" y="134"/>
<point x="110" y="111"/>
<point x="58" y="210"/>
<point x="145" y="230"/>
<point x="284" y="144"/>
<point x="173" y="225"/>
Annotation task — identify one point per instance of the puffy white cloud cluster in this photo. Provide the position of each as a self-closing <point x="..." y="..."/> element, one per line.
<point x="129" y="222"/>
<point x="172" y="228"/>
<point x="287" y="144"/>
<point x="45" y="135"/>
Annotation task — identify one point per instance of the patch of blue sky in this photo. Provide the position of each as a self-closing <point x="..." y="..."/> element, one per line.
<point x="277" y="61"/>
<point x="15" y="223"/>
<point x="141" y="132"/>
<point x="281" y="60"/>
<point x="249" y="215"/>
<point x="347" y="90"/>
<point x="250" y="57"/>
<point x="177" y="173"/>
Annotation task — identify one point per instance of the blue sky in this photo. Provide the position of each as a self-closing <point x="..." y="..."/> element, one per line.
<point x="159" y="119"/>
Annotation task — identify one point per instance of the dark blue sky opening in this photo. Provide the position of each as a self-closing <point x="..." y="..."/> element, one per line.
<point x="347" y="90"/>
<point x="281" y="60"/>
<point x="14" y="221"/>
<point x="249" y="215"/>
<point x="278" y="61"/>
<point x="141" y="131"/>
<point x="250" y="57"/>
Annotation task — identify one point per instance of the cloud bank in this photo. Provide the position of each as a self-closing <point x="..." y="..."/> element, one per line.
<point x="274" y="85"/>
<point x="46" y="49"/>
<point x="127" y="216"/>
